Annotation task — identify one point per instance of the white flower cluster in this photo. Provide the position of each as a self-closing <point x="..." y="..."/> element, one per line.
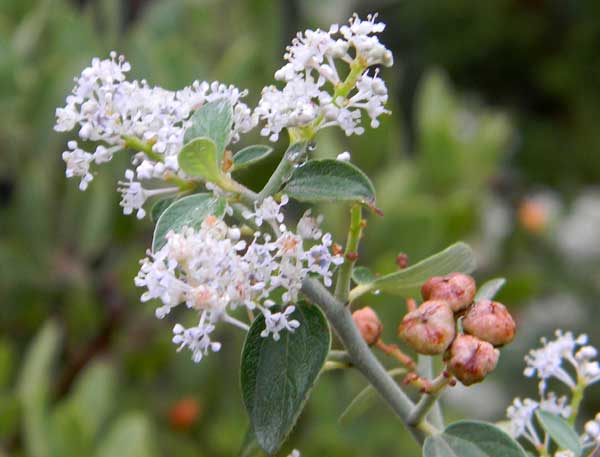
<point x="315" y="94"/>
<point x="522" y="415"/>
<point x="547" y="361"/>
<point x="108" y="110"/>
<point x="214" y="272"/>
<point x="592" y="431"/>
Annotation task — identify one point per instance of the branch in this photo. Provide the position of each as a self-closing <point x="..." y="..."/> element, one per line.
<point x="426" y="402"/>
<point x="362" y="357"/>
<point x="425" y="369"/>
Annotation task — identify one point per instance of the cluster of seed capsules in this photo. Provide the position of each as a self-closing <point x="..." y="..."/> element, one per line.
<point x="449" y="322"/>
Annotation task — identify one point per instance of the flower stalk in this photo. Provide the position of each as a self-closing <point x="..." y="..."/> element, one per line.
<point x="344" y="277"/>
<point x="294" y="155"/>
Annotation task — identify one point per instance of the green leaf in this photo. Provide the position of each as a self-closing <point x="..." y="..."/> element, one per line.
<point x="130" y="436"/>
<point x="94" y="391"/>
<point x="560" y="431"/>
<point x="489" y="289"/>
<point x="472" y="439"/>
<point x="250" y="447"/>
<point x="362" y="275"/>
<point x="458" y="257"/>
<point x="213" y="120"/>
<point x="250" y="155"/>
<point x="330" y="180"/>
<point x="159" y="207"/>
<point x="68" y="437"/>
<point x="10" y="417"/>
<point x="189" y="211"/>
<point x="199" y="158"/>
<point x="277" y="376"/>
<point x="34" y="388"/>
<point x="364" y="400"/>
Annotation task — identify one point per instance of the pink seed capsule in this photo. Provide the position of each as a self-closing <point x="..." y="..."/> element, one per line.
<point x="471" y="359"/>
<point x="490" y="321"/>
<point x="368" y="324"/>
<point x="430" y="328"/>
<point x="456" y="288"/>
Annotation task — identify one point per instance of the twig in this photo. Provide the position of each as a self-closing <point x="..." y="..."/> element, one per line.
<point x="341" y="320"/>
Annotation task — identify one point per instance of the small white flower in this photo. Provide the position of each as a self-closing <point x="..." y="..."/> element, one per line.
<point x="267" y="210"/>
<point x="320" y="260"/>
<point x="343" y="157"/>
<point x="308" y="226"/>
<point x="276" y="322"/>
<point x="133" y="195"/>
<point x="547" y="361"/>
<point x="196" y="339"/>
<point x="78" y="164"/>
<point x="592" y="430"/>
<point x="521" y="415"/>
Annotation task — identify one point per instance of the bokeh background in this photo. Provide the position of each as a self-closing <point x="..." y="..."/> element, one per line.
<point x="493" y="139"/>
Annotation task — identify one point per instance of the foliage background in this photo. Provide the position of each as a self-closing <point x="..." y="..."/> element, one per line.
<point x="493" y="139"/>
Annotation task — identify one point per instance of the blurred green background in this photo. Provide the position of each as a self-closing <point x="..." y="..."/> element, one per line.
<point x="493" y="139"/>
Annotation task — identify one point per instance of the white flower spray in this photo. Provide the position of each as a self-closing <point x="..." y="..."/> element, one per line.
<point x="568" y="360"/>
<point x="213" y="272"/>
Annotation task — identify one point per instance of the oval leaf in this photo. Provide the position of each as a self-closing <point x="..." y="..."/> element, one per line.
<point x="362" y="275"/>
<point x="159" y="207"/>
<point x="130" y="435"/>
<point x="213" y="120"/>
<point x="250" y="155"/>
<point x="330" y="180"/>
<point x="277" y="376"/>
<point x="458" y="257"/>
<point x="34" y="389"/>
<point x="472" y="439"/>
<point x="489" y="289"/>
<point x="199" y="158"/>
<point x="189" y="211"/>
<point x="560" y="431"/>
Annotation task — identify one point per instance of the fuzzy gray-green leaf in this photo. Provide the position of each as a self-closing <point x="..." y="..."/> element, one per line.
<point x="212" y="120"/>
<point x="458" y="257"/>
<point x="472" y="439"/>
<point x="199" y="158"/>
<point x="362" y="275"/>
<point x="159" y="207"/>
<point x="330" y="181"/>
<point x="189" y="211"/>
<point x="250" y="155"/>
<point x="277" y="376"/>
<point x="560" y="431"/>
<point x="489" y="289"/>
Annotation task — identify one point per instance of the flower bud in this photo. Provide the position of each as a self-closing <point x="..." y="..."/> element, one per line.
<point x="490" y="321"/>
<point x="368" y="324"/>
<point x="430" y="328"/>
<point x="471" y="359"/>
<point x="456" y="288"/>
